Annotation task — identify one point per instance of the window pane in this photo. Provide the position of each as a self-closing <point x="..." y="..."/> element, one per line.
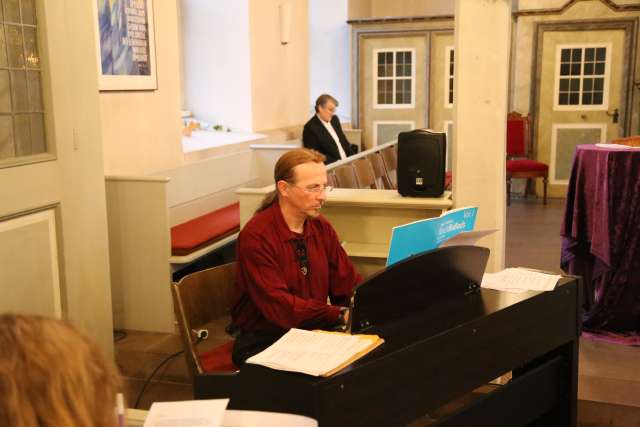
<point x="381" y="71"/>
<point x="564" y="69"/>
<point x="399" y="57"/>
<point x="19" y="91"/>
<point x="388" y="70"/>
<point x="5" y="92"/>
<point x="574" y="98"/>
<point x="451" y="84"/>
<point x="389" y="57"/>
<point x="11" y="10"/>
<point x="14" y="46"/>
<point x="589" y="54"/>
<point x="399" y="70"/>
<point x="576" y="55"/>
<point x="588" y="69"/>
<point x="575" y="69"/>
<point x="22" y="129"/>
<point x="564" y="85"/>
<point x="587" y="85"/>
<point x="601" y="53"/>
<point x="7" y="148"/>
<point x="575" y="85"/>
<point x="31" y="48"/>
<point x="408" y="57"/>
<point x="563" y="99"/>
<point x="565" y="55"/>
<point x="407" y="70"/>
<point x="28" y="12"/>
<point x="598" y="84"/>
<point x="597" y="98"/>
<point x="586" y="99"/>
<point x="381" y="58"/>
<point x="33" y="83"/>
<point x="600" y="68"/>
<point x="38" y="144"/>
<point x="381" y="92"/>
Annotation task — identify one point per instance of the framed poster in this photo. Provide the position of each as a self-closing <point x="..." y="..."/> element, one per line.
<point x="126" y="48"/>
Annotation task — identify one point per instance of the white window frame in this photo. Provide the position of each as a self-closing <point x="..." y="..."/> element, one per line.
<point x="377" y="106"/>
<point x="447" y="75"/>
<point x="607" y="76"/>
<point x="375" y="124"/>
<point x="554" y="143"/>
<point x="445" y="129"/>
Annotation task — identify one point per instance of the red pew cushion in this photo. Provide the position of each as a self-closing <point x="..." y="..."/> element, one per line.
<point x="218" y="359"/>
<point x="201" y="231"/>
<point x="526" y="165"/>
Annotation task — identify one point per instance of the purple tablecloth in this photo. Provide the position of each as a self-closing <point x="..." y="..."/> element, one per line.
<point x="601" y="236"/>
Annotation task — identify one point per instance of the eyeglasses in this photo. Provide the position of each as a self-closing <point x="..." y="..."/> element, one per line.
<point x="301" y="254"/>
<point x="315" y="189"/>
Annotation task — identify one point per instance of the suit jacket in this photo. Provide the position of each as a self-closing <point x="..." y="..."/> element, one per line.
<point x="317" y="137"/>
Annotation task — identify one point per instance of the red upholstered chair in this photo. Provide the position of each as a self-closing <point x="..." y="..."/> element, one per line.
<point x="518" y="149"/>
<point x="202" y="301"/>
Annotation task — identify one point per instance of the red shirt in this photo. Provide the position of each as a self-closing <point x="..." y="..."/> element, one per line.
<point x="271" y="293"/>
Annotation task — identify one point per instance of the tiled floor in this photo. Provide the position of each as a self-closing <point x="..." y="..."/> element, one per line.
<point x="609" y="382"/>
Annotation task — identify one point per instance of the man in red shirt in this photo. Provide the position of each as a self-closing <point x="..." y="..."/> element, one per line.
<point x="290" y="260"/>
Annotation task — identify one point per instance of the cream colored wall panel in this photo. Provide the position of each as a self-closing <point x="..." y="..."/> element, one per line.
<point x="141" y="130"/>
<point x="279" y="73"/>
<point x="199" y="179"/>
<point x="139" y="248"/>
<point x="29" y="268"/>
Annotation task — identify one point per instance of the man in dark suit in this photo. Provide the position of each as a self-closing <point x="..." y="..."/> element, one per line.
<point x="323" y="132"/>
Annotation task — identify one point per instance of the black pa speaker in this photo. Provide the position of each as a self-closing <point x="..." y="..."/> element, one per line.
<point x="421" y="163"/>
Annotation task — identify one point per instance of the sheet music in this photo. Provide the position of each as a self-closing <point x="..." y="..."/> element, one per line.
<point x="518" y="280"/>
<point x="192" y="413"/>
<point x="313" y="353"/>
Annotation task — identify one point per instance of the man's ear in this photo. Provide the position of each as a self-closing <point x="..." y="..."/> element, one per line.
<point x="282" y="188"/>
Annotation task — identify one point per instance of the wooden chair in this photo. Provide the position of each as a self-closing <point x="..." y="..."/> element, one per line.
<point x="346" y="176"/>
<point x="364" y="173"/>
<point x="202" y="301"/>
<point x="390" y="158"/>
<point x="518" y="150"/>
<point x="379" y="171"/>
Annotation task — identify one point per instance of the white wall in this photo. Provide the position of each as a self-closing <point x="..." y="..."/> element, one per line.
<point x="217" y="66"/>
<point x="329" y="53"/>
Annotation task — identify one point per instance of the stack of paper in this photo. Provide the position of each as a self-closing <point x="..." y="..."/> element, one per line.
<point x="520" y="280"/>
<point x="316" y="353"/>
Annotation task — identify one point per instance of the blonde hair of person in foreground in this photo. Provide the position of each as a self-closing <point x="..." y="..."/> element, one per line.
<point x="51" y="375"/>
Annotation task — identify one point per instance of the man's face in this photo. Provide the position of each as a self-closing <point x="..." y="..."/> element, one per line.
<point x="327" y="110"/>
<point x="306" y="194"/>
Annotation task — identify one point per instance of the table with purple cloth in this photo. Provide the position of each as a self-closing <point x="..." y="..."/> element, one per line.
<point x="601" y="238"/>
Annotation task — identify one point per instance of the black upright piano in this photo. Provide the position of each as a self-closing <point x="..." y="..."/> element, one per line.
<point x="444" y="338"/>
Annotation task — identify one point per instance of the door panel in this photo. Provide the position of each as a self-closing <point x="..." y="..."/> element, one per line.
<point x="580" y="89"/>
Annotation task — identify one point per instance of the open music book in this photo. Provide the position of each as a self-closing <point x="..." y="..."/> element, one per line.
<point x="317" y="353"/>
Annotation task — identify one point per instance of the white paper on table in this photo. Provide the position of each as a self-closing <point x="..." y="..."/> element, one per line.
<point x="313" y="353"/>
<point x="520" y="280"/>
<point x="189" y="413"/>
<point x="235" y="418"/>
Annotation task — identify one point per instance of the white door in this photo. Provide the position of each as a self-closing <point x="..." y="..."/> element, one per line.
<point x="53" y="239"/>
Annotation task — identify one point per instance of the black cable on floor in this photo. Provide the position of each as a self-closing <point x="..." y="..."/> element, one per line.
<point x="146" y="383"/>
<point x="119" y="335"/>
